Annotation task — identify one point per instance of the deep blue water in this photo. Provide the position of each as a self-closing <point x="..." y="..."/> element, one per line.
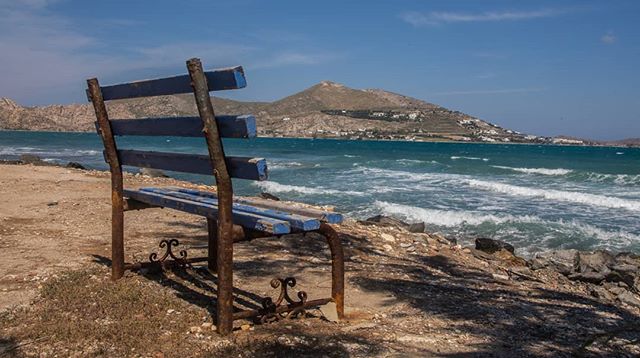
<point x="535" y="197"/>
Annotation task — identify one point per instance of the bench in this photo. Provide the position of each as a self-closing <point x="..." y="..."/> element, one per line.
<point x="229" y="219"/>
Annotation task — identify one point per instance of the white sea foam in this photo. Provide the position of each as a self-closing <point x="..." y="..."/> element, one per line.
<point x="542" y="171"/>
<point x="275" y="187"/>
<point x="283" y="165"/>
<point x="558" y="195"/>
<point x="448" y="218"/>
<point x="620" y="179"/>
<point x="452" y="218"/>
<point x="619" y="153"/>
<point x="469" y="158"/>
<point x="351" y="156"/>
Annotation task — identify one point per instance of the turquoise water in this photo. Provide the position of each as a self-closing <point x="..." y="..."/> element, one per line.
<point x="535" y="197"/>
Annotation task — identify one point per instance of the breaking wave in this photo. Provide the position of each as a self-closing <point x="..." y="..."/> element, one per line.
<point x="542" y="171"/>
<point x="275" y="187"/>
<point x="559" y="195"/>
<point x="450" y="218"/>
<point x="469" y="158"/>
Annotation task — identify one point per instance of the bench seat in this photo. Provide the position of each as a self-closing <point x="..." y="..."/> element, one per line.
<point x="255" y="214"/>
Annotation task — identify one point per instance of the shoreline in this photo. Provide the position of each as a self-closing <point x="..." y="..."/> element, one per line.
<point x="443" y="141"/>
<point x="409" y="293"/>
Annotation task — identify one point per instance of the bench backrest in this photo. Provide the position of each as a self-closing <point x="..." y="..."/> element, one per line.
<point x="240" y="126"/>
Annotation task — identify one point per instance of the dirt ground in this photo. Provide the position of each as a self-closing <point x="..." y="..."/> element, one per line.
<point x="407" y="294"/>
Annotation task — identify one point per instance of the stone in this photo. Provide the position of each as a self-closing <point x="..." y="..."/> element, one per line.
<point x="329" y="311"/>
<point x="268" y="196"/>
<point x="629" y="299"/>
<point x="563" y="261"/>
<point x="245" y="327"/>
<point x="491" y="245"/>
<point x="417" y="227"/>
<point x="52" y="203"/>
<point x="75" y="165"/>
<point x="596" y="261"/>
<point x="388" y="237"/>
<point x="387" y="247"/>
<point x="589" y="277"/>
<point x="31" y="159"/>
<point x="383" y="220"/>
<point x="154" y="173"/>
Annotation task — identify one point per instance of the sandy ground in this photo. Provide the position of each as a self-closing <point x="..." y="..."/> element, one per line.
<point x="407" y="294"/>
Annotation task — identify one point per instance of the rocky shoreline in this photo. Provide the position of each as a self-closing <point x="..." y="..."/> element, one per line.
<point x="408" y="292"/>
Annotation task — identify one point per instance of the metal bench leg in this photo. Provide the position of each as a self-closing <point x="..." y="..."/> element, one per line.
<point x="337" y="267"/>
<point x="212" y="248"/>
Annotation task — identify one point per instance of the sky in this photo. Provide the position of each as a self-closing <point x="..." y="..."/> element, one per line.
<point x="540" y="67"/>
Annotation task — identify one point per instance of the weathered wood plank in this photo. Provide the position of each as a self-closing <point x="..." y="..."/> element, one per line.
<point x="239" y="167"/>
<point x="297" y="222"/>
<point x="324" y="216"/>
<point x="243" y="126"/>
<point x="244" y="219"/>
<point x="218" y="80"/>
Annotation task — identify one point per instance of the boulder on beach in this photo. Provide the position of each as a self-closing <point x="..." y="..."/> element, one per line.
<point x="491" y="245"/>
<point x="383" y="220"/>
<point x="268" y="196"/>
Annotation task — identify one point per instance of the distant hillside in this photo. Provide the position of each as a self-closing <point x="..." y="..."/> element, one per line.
<point x="327" y="109"/>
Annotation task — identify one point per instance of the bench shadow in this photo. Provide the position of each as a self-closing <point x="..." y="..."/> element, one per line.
<point x="505" y="319"/>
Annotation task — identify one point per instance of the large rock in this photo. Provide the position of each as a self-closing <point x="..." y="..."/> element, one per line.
<point x="75" y="165"/>
<point x="154" y="173"/>
<point x="563" y="261"/>
<point x="596" y="261"/>
<point x="417" y="227"/>
<point x="490" y="245"/>
<point x="268" y="196"/>
<point x="387" y="221"/>
<point x="32" y="159"/>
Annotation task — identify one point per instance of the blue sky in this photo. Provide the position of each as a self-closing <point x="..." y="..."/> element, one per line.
<point x="541" y="67"/>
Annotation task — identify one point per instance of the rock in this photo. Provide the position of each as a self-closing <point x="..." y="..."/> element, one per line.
<point x="52" y="203"/>
<point x="75" y="165"/>
<point x="329" y="311"/>
<point x="491" y="245"/>
<point x="154" y="173"/>
<point x="563" y="261"/>
<point x="629" y="299"/>
<point x="596" y="261"/>
<point x="355" y="327"/>
<point x="589" y="277"/>
<point x="386" y="221"/>
<point x="32" y="159"/>
<point x="387" y="237"/>
<point x="195" y="329"/>
<point x="269" y="196"/>
<point x="387" y="247"/>
<point x="245" y="327"/>
<point x="500" y="277"/>
<point x="416" y="227"/>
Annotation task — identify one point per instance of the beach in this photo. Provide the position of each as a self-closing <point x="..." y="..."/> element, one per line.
<point x="406" y="293"/>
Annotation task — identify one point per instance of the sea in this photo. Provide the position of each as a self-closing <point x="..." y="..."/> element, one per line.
<point x="536" y="197"/>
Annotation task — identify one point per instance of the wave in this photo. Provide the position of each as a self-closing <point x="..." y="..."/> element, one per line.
<point x="415" y="161"/>
<point x="275" y="187"/>
<point x="542" y="171"/>
<point x="469" y="158"/>
<point x="283" y="165"/>
<point x="447" y="218"/>
<point x="350" y="156"/>
<point x="558" y="195"/>
<point x="451" y="218"/>
<point x="43" y="152"/>
<point x="620" y="179"/>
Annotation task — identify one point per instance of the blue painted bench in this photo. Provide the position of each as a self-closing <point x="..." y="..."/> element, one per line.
<point x="229" y="219"/>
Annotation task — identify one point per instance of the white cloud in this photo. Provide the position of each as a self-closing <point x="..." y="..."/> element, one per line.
<point x="608" y="38"/>
<point x="418" y="19"/>
<point x="45" y="57"/>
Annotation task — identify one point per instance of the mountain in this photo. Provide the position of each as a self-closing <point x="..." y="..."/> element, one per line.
<point x="327" y="109"/>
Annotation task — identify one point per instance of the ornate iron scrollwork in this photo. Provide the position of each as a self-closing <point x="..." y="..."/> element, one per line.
<point x="293" y="308"/>
<point x="180" y="259"/>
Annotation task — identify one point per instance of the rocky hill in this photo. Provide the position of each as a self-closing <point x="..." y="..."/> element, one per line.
<point x="327" y="109"/>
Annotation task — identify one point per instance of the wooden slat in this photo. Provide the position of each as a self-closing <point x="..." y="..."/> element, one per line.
<point x="243" y="126"/>
<point x="324" y="216"/>
<point x="217" y="80"/>
<point x="244" y="219"/>
<point x="239" y="167"/>
<point x="297" y="222"/>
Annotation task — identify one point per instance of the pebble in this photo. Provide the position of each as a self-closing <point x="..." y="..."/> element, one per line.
<point x="387" y="247"/>
<point x="387" y="237"/>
